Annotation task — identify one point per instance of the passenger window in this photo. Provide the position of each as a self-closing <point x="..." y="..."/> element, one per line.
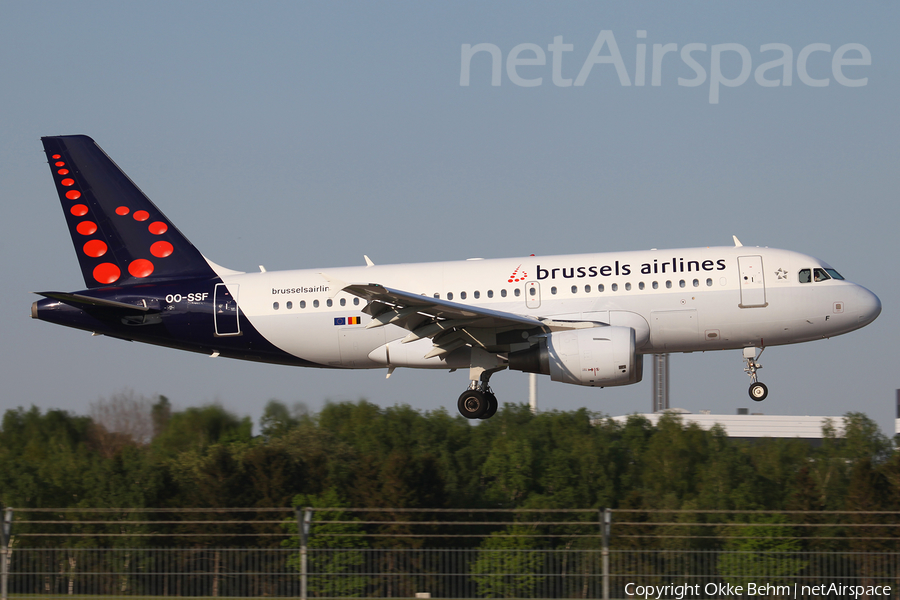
<point x="805" y="275"/>
<point x="641" y="285"/>
<point x="437" y="295"/>
<point x="668" y="285"/>
<point x="356" y="302"/>
<point x="574" y="289"/>
<point x="600" y="288"/>
<point x="681" y="283"/>
<point x="462" y="295"/>
<point x="303" y="304"/>
<point x="449" y="295"/>
<point x="821" y="275"/>
<point x="533" y="291"/>
<point x="709" y="282"/>
<point x="275" y="305"/>
<point x="476" y="294"/>
<point x="289" y="305"/>
<point x="628" y="287"/>
<point x="587" y="289"/>
<point x="552" y="290"/>
<point x="696" y="283"/>
<point x="517" y="292"/>
<point x="503" y="293"/>
<point x="329" y="303"/>
<point x="490" y="293"/>
<point x="343" y="302"/>
<point x="615" y="287"/>
<point x="315" y="304"/>
<point x="655" y="285"/>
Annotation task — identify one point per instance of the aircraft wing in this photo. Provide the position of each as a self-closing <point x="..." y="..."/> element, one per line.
<point x="450" y="324"/>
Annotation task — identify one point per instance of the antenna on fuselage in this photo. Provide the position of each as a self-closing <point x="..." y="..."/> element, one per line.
<point x="737" y="242"/>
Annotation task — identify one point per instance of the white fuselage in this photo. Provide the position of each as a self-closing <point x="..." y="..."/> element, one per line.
<point x="682" y="300"/>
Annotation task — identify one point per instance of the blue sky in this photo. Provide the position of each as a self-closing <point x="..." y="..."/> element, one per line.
<point x="299" y="135"/>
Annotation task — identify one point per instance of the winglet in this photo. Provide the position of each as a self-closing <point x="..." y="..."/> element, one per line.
<point x="737" y="242"/>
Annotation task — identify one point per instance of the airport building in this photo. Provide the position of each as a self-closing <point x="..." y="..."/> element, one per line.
<point x="743" y="425"/>
<point x="746" y="426"/>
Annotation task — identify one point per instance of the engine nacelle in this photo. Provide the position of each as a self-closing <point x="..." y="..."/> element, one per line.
<point x="597" y="357"/>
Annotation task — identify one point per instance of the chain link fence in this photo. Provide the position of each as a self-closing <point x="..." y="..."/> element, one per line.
<point x="508" y="554"/>
<point x="441" y="573"/>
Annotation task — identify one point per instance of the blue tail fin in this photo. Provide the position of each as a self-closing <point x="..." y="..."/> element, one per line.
<point x="120" y="237"/>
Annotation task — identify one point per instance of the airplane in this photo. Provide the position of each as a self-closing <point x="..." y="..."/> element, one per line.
<point x="585" y="319"/>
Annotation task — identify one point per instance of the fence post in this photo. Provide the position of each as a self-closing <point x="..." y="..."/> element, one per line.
<point x="606" y="526"/>
<point x="5" y="531"/>
<point x="304" y="522"/>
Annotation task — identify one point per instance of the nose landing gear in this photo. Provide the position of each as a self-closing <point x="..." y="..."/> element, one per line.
<point x="758" y="391"/>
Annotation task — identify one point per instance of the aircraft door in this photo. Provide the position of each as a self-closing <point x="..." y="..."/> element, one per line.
<point x="753" y="286"/>
<point x="225" y="310"/>
<point x="532" y="294"/>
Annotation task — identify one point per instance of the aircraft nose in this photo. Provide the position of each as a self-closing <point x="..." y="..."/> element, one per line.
<point x="868" y="304"/>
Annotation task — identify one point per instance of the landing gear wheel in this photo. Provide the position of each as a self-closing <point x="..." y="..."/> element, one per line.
<point x="493" y="405"/>
<point x="473" y="404"/>
<point x="759" y="391"/>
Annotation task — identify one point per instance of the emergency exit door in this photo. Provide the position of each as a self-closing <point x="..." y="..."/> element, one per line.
<point x="532" y="294"/>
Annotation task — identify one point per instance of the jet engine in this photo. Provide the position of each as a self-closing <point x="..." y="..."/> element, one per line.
<point x="596" y="357"/>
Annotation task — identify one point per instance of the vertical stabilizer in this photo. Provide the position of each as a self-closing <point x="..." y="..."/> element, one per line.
<point x="120" y="237"/>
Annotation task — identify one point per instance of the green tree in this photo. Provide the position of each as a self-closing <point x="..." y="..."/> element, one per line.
<point x="764" y="551"/>
<point x="277" y="419"/>
<point x="507" y="565"/>
<point x="199" y="427"/>
<point x="863" y="439"/>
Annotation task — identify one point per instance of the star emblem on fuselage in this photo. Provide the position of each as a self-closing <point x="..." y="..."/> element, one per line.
<point x="781" y="273"/>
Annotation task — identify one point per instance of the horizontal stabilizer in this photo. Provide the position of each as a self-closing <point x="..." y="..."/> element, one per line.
<point x="82" y="300"/>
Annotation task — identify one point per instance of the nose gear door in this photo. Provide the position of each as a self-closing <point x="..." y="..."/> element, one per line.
<point x="753" y="286"/>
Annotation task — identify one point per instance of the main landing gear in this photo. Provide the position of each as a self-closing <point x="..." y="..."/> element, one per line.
<point x="479" y="402"/>
<point x="758" y="391"/>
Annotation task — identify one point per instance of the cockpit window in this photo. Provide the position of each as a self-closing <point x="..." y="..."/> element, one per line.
<point x="818" y="274"/>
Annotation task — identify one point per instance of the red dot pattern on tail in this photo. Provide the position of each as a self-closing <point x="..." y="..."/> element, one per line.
<point x="107" y="273"/>
<point x="95" y="248"/>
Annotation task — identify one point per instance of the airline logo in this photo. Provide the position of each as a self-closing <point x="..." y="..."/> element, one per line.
<point x="517" y="275"/>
